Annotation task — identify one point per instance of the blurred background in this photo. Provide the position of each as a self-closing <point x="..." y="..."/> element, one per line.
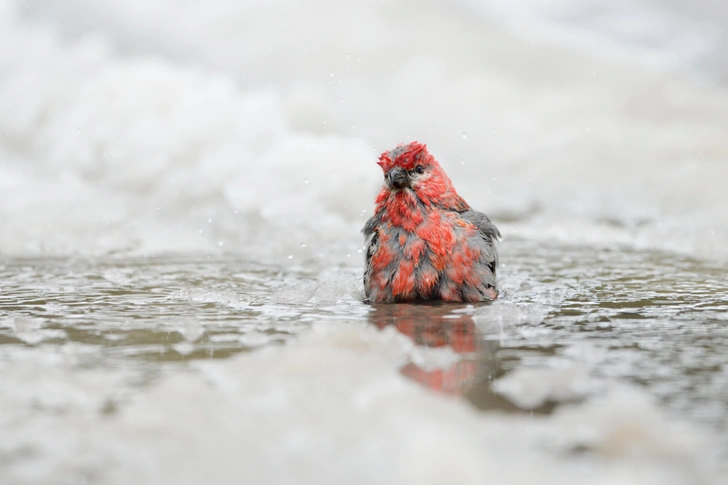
<point x="165" y="126"/>
<point x="182" y="186"/>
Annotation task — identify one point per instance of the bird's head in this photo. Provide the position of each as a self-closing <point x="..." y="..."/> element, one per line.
<point x="412" y="167"/>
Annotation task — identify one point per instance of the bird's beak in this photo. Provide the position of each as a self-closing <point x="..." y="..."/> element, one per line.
<point x="398" y="178"/>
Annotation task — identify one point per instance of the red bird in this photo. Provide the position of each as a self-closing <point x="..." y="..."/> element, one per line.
<point x="424" y="242"/>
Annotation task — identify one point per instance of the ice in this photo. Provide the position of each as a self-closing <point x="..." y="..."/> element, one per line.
<point x="331" y="408"/>
<point x="30" y="330"/>
<point x="184" y="348"/>
<point x="177" y="141"/>
<point x="651" y="31"/>
<point x="624" y="424"/>
<point x="192" y="331"/>
<point x="531" y="388"/>
<point x="55" y="384"/>
<point x="161" y="132"/>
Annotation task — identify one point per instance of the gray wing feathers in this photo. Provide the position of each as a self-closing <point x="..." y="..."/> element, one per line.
<point x="484" y="225"/>
<point x="370" y="243"/>
<point x="490" y="234"/>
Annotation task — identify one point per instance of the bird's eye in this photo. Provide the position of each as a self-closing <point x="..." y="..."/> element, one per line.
<point x="419" y="169"/>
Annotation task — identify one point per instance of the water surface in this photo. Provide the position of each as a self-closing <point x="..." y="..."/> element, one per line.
<point x="648" y="319"/>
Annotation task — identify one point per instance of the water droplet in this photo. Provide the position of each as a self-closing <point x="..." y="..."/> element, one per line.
<point x="78" y="129"/>
<point x="494" y="130"/>
<point x="303" y="244"/>
<point x="464" y="135"/>
<point x="220" y="243"/>
<point x="199" y="231"/>
<point x="290" y="256"/>
<point x="209" y="221"/>
<point x="331" y="74"/>
<point x="348" y="255"/>
<point x="305" y="181"/>
<point x="341" y="100"/>
<point x="358" y="250"/>
<point x="159" y="208"/>
<point x="462" y="162"/>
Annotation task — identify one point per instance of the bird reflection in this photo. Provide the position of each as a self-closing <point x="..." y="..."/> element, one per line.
<point x="441" y="325"/>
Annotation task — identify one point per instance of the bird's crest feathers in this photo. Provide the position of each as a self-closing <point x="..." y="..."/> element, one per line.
<point x="406" y="156"/>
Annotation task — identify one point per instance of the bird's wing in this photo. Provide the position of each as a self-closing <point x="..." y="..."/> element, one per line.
<point x="370" y="243"/>
<point x="488" y="232"/>
<point x="370" y="225"/>
<point x="484" y="225"/>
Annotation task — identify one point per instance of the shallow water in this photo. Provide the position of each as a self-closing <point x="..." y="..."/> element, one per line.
<point x="571" y="322"/>
<point x="651" y="318"/>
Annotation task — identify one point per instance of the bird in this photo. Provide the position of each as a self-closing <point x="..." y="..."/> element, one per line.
<point x="424" y="241"/>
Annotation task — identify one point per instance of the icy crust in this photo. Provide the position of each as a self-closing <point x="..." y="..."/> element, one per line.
<point x="141" y="137"/>
<point x="141" y="155"/>
<point x="531" y="388"/>
<point x="329" y="409"/>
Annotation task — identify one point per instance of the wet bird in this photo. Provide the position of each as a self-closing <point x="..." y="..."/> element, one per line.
<point x="424" y="242"/>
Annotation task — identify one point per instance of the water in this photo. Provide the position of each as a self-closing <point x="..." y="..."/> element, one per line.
<point x="181" y="193"/>
<point x="624" y="342"/>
